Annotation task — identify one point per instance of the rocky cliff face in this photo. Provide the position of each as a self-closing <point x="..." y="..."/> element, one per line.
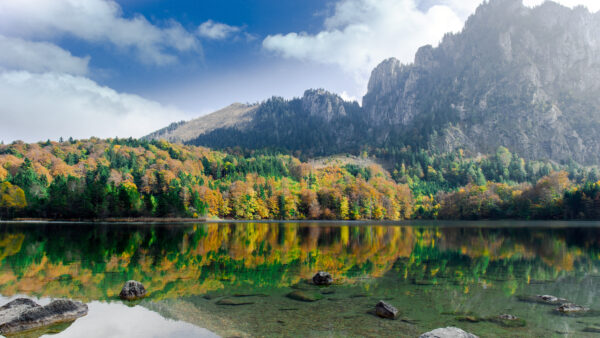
<point x="524" y="78"/>
<point x="320" y="103"/>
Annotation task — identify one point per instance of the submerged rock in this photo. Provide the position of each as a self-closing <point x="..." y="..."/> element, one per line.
<point x="304" y="296"/>
<point x="543" y="299"/>
<point x="570" y="308"/>
<point x="592" y="329"/>
<point x="448" y="332"/>
<point x="470" y="319"/>
<point x="233" y="302"/>
<point x="24" y="314"/>
<point x="508" y="320"/>
<point x="322" y="278"/>
<point x="385" y="310"/>
<point x="241" y="295"/>
<point x="132" y="290"/>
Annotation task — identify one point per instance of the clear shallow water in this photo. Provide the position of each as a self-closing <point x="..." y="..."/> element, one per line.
<point x="434" y="273"/>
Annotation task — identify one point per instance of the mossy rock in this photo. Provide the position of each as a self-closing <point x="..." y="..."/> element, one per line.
<point x="304" y="296"/>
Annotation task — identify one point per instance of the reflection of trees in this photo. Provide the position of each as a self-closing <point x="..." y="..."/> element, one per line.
<point x="93" y="262"/>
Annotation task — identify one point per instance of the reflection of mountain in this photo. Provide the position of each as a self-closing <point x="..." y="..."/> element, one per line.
<point x="92" y="262"/>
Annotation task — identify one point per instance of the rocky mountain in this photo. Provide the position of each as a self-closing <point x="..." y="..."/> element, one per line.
<point x="524" y="78"/>
<point x="318" y="123"/>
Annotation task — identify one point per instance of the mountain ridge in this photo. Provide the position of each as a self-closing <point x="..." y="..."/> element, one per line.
<point x="519" y="77"/>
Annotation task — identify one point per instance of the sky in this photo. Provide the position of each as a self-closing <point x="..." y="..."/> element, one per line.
<point x="120" y="68"/>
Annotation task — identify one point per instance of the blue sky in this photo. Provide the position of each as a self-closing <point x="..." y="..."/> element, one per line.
<point x="123" y="68"/>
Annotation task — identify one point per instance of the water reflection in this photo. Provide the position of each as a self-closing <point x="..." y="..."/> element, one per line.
<point x="90" y="262"/>
<point x="117" y="320"/>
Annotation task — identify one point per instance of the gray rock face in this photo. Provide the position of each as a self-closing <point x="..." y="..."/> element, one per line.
<point x="528" y="76"/>
<point x="318" y="102"/>
<point x="322" y="278"/>
<point x="23" y="314"/>
<point x="385" y="310"/>
<point x="132" y="290"/>
<point x="448" y="332"/>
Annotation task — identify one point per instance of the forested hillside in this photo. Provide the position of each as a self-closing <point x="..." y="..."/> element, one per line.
<point x="129" y="178"/>
<point x="90" y="179"/>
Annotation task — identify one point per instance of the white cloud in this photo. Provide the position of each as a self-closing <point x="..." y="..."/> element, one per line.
<point x="216" y="30"/>
<point x="347" y="97"/>
<point x="38" y="57"/>
<point x="95" y="21"/>
<point x="115" y="320"/>
<point x="362" y="33"/>
<point x="40" y="106"/>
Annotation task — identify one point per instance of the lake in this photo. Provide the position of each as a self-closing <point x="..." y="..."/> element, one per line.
<point x="460" y="274"/>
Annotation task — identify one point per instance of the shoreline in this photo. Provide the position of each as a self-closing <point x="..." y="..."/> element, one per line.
<point x="506" y="223"/>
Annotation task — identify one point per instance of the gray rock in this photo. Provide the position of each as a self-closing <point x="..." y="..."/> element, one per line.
<point x="508" y="317"/>
<point x="508" y="320"/>
<point x="132" y="290"/>
<point x="322" y="278"/>
<point x="551" y="299"/>
<point x="23" y="314"/>
<point x="385" y="310"/>
<point x="448" y="332"/>
<point x="571" y="308"/>
<point x="543" y="299"/>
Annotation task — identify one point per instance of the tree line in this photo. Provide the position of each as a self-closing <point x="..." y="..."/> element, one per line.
<point x="95" y="178"/>
<point x="89" y="179"/>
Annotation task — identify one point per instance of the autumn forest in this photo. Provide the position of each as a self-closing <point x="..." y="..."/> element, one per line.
<point x="126" y="178"/>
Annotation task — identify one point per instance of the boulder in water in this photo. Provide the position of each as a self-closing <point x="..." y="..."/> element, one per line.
<point x="385" y="310"/>
<point x="322" y="278"/>
<point x="132" y="290"/>
<point x="448" y="332"/>
<point x="24" y="314"/>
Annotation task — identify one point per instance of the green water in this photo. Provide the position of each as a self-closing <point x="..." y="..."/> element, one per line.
<point x="436" y="274"/>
